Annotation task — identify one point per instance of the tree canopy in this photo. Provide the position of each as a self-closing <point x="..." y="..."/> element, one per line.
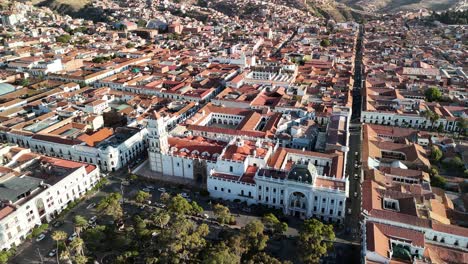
<point x="110" y="205"/>
<point x="436" y="153"/>
<point x="315" y="240"/>
<point x="433" y="94"/>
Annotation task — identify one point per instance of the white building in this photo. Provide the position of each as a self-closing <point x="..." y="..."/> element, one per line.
<point x="34" y="189"/>
<point x="302" y="183"/>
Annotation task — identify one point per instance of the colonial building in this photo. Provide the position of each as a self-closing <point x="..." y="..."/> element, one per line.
<point x="35" y="188"/>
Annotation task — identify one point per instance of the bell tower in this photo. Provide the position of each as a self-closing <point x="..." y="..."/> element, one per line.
<point x="158" y="144"/>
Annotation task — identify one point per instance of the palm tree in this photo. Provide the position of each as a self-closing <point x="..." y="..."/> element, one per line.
<point x="58" y="236"/>
<point x="81" y="259"/>
<point x="80" y="224"/>
<point x="77" y="245"/>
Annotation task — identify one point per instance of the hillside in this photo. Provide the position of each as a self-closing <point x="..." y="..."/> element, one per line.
<point x="75" y="8"/>
<point x="384" y="6"/>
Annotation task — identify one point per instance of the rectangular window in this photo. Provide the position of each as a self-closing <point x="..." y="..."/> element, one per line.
<point x="222" y="189"/>
<point x="259" y="197"/>
<point x="331" y="211"/>
<point x="259" y="187"/>
<point x="315" y="208"/>
<point x="315" y="198"/>
<point x="323" y="210"/>
<point x="231" y="169"/>
<point x="216" y="188"/>
<point x="339" y="213"/>
<point x="341" y="203"/>
<point x="282" y="192"/>
<point x="332" y="201"/>
<point x="229" y="190"/>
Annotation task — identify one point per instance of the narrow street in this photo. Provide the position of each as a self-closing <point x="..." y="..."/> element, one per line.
<point x="353" y="167"/>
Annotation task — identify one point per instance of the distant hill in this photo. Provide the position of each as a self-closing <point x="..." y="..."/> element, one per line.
<point x="385" y="6"/>
<point x="74" y="8"/>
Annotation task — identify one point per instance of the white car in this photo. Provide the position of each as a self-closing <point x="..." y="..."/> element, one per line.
<point x="52" y="253"/>
<point x="40" y="237"/>
<point x="162" y="189"/>
<point x="185" y="195"/>
<point x="92" y="220"/>
<point x="72" y="237"/>
<point x="91" y="205"/>
<point x="146" y="190"/>
<point x="206" y="216"/>
<point x="355" y="194"/>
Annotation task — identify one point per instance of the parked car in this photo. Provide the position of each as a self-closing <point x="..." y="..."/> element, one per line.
<point x="40" y="237"/>
<point x="92" y="220"/>
<point x="355" y="194"/>
<point x="163" y="190"/>
<point x="349" y="210"/>
<point x="206" y="216"/>
<point x="125" y="183"/>
<point x="185" y="195"/>
<point x="72" y="237"/>
<point x="52" y="253"/>
<point x="356" y="176"/>
<point x="91" y="205"/>
<point x="246" y="209"/>
<point x="151" y="187"/>
<point x="146" y="190"/>
<point x="57" y="224"/>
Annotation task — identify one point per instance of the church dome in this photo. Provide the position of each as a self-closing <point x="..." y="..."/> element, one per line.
<point x="303" y="173"/>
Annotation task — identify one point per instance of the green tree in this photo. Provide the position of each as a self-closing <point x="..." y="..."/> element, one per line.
<point x="325" y="43"/>
<point x="253" y="236"/>
<point x="5" y="255"/>
<point x="220" y="254"/>
<point x="438" y="181"/>
<point x="274" y="225"/>
<point x="315" y="240"/>
<point x="80" y="224"/>
<point x="110" y="205"/>
<point x="455" y="163"/>
<point x="182" y="241"/>
<point x="263" y="258"/>
<point x="222" y="213"/>
<point x="95" y="237"/>
<point x="127" y="257"/>
<point x="141" y="23"/>
<point x="462" y="124"/>
<point x="77" y="246"/>
<point x="161" y="219"/>
<point x="196" y="209"/>
<point x="81" y="259"/>
<point x="179" y="205"/>
<point x="165" y="198"/>
<point x="436" y="153"/>
<point x="63" y="38"/>
<point x="58" y="236"/>
<point x="142" y="197"/>
<point x="130" y="45"/>
<point x="433" y="94"/>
